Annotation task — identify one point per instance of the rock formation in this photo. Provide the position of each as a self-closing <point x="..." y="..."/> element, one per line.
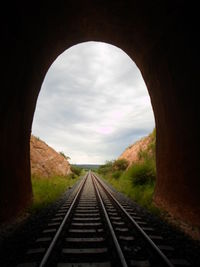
<point x="45" y="161"/>
<point x="132" y="153"/>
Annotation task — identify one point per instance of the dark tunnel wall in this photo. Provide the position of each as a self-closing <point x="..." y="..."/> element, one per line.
<point x="161" y="40"/>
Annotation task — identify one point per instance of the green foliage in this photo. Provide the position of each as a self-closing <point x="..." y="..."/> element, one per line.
<point x="63" y="154"/>
<point x="47" y="190"/>
<point x="116" y="174"/>
<point x="87" y="167"/>
<point x="106" y="168"/>
<point x="142" y="173"/>
<point x="120" y="164"/>
<point x="149" y="154"/>
<point x="142" y="194"/>
<point x="113" y="168"/>
<point x="138" y="181"/>
<point x="152" y="144"/>
<point x="76" y="170"/>
<point x="143" y="155"/>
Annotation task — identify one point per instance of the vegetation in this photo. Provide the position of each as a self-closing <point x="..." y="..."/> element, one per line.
<point x="120" y="164"/>
<point x="137" y="181"/>
<point x="76" y="171"/>
<point x="114" y="168"/>
<point x="88" y="167"/>
<point x="47" y="190"/>
<point x="63" y="154"/>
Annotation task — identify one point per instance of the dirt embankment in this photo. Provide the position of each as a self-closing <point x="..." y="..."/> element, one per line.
<point x="45" y="161"/>
<point x="133" y="152"/>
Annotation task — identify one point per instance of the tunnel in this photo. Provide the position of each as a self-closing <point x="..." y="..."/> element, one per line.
<point x="159" y="36"/>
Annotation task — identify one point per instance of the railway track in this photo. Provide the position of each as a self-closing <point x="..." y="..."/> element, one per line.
<point x="94" y="228"/>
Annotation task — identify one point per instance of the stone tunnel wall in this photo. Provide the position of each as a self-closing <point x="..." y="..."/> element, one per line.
<point x="163" y="43"/>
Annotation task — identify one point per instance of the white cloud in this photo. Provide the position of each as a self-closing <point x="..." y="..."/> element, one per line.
<point x="93" y="103"/>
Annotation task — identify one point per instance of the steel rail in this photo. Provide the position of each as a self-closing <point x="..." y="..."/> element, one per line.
<point x="162" y="256"/>
<point x="116" y="243"/>
<point x="54" y="240"/>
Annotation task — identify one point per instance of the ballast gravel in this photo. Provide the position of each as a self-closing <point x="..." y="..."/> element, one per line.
<point x="16" y="239"/>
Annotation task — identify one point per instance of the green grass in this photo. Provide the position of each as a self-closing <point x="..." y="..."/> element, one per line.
<point x="138" y="181"/>
<point x="140" y="193"/>
<point x="48" y="190"/>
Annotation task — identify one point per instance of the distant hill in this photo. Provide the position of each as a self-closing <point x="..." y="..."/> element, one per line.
<point x="87" y="166"/>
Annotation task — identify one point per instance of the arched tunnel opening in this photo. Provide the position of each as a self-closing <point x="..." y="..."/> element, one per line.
<point x="93" y="104"/>
<point x="158" y="38"/>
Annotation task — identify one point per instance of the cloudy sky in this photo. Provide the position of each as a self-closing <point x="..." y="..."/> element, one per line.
<point x="93" y="104"/>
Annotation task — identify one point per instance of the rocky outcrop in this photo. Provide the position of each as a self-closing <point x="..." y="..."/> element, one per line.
<point x="132" y="153"/>
<point x="45" y="161"/>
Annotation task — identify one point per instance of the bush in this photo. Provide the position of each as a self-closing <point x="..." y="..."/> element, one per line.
<point x="116" y="174"/>
<point x="142" y="173"/>
<point x="137" y="181"/>
<point x="72" y="176"/>
<point x="120" y="164"/>
<point x="113" y="168"/>
<point x="143" y="155"/>
<point x="106" y="168"/>
<point x="63" y="154"/>
<point x="76" y="170"/>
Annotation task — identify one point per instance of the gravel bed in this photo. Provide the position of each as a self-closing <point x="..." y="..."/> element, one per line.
<point x="14" y="241"/>
<point x="185" y="247"/>
<point x="20" y="235"/>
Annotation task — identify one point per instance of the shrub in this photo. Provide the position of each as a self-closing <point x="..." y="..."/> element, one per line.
<point x="143" y="155"/>
<point x="138" y="181"/>
<point x="113" y="168"/>
<point x="72" y="176"/>
<point x="142" y="173"/>
<point x="76" y="170"/>
<point x="120" y="164"/>
<point x="106" y="168"/>
<point x="63" y="154"/>
<point x="116" y="174"/>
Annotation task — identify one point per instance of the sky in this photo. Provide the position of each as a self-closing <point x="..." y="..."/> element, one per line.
<point x="93" y="104"/>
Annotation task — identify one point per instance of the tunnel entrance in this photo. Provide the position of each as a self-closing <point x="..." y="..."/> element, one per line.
<point x="158" y="38"/>
<point x="93" y="104"/>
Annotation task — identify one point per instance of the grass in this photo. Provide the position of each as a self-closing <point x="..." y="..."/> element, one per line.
<point x="140" y="193"/>
<point x="138" y="181"/>
<point x="48" y="190"/>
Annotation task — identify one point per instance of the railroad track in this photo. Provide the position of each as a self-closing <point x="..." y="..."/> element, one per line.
<point x="93" y="228"/>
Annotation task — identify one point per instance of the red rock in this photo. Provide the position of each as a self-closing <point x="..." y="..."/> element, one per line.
<point x="45" y="161"/>
<point x="131" y="154"/>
